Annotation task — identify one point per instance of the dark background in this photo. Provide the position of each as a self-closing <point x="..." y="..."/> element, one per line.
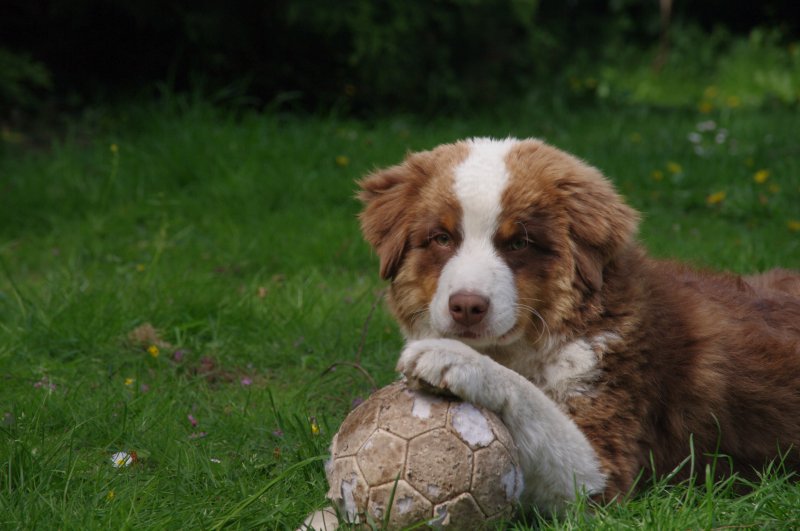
<point x="357" y="55"/>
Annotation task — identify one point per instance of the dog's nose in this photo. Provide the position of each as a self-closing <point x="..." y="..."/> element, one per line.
<point x="468" y="308"/>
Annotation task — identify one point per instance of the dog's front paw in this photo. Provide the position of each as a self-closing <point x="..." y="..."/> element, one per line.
<point x="447" y="366"/>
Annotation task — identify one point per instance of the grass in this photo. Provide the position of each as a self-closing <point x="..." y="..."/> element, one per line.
<point x="705" y="70"/>
<point x="234" y="235"/>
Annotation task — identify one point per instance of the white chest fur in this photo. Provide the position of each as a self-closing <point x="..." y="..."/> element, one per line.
<point x="561" y="371"/>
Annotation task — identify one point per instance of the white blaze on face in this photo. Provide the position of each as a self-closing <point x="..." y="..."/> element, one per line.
<point x="476" y="267"/>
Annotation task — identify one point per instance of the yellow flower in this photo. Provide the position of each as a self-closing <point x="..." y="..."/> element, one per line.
<point x="711" y="92"/>
<point x="705" y="107"/>
<point x="110" y="495"/>
<point x="794" y="225"/>
<point x="657" y="175"/>
<point x="314" y="426"/>
<point x="129" y="381"/>
<point x="12" y="137"/>
<point x="733" y="101"/>
<point x="114" y="148"/>
<point x="716" y="197"/>
<point x="342" y="161"/>
<point x="674" y="167"/>
<point x="140" y="268"/>
<point x="761" y="176"/>
<point x="153" y="351"/>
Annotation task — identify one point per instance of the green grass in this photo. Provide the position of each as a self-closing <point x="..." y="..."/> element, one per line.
<point x="704" y="70"/>
<point x="235" y="235"/>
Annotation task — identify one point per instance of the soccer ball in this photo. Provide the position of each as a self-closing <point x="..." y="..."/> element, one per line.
<point x="409" y="457"/>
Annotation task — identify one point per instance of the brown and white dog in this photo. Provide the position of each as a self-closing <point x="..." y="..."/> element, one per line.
<point x="519" y="285"/>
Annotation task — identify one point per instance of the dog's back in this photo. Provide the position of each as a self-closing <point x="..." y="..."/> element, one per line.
<point x="747" y="339"/>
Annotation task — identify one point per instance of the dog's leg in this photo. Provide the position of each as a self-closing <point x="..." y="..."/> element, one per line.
<point x="556" y="457"/>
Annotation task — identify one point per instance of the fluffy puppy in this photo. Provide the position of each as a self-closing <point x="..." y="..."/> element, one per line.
<point x="517" y="280"/>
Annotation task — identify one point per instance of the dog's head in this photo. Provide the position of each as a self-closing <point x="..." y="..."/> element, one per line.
<point x="487" y="240"/>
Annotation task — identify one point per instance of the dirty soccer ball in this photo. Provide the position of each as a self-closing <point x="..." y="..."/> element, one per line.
<point x="447" y="462"/>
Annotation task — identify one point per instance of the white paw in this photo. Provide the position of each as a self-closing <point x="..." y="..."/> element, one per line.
<point x="447" y="365"/>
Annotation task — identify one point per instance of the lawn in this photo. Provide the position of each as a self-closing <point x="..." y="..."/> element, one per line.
<point x="189" y="283"/>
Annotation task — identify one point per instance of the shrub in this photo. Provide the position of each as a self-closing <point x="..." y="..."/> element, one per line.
<point x="21" y="79"/>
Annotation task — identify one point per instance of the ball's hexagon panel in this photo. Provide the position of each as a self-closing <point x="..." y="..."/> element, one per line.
<point x="439" y="465"/>
<point x="381" y="458"/>
<point x="356" y="428"/>
<point x="459" y="513"/>
<point x="408" y="507"/>
<point x="409" y="413"/>
<point x="348" y="488"/>
<point x="496" y="479"/>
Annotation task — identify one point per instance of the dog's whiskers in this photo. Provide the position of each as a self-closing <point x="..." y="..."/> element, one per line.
<point x="529" y="312"/>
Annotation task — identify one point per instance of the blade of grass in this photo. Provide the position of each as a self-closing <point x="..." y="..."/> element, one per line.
<point x="255" y="496"/>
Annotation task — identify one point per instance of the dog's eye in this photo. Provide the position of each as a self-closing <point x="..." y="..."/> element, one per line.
<point x="442" y="239"/>
<point x="517" y="244"/>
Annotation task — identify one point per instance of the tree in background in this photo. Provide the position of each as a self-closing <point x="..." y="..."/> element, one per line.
<point x="361" y="55"/>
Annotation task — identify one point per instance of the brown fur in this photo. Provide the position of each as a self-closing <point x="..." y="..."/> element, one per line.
<point x="711" y="357"/>
<point x="395" y="198"/>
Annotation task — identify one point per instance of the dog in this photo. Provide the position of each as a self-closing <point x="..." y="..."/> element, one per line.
<point x="517" y="280"/>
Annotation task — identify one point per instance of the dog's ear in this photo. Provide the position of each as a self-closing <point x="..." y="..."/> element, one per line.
<point x="602" y="224"/>
<point x="387" y="196"/>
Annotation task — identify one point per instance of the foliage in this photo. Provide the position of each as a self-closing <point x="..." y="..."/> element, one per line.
<point x="21" y="79"/>
<point x="428" y="54"/>
<point x="421" y="55"/>
<point x="703" y="70"/>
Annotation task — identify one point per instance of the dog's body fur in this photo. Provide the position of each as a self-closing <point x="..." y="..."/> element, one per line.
<point x="518" y="283"/>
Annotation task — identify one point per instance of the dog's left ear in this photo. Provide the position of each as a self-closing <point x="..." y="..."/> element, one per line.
<point x="602" y="224"/>
<point x="387" y="195"/>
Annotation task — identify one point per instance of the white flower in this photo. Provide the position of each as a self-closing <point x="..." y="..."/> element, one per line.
<point x="215" y="460"/>
<point x="708" y="125"/>
<point x="695" y="138"/>
<point x="121" y="459"/>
